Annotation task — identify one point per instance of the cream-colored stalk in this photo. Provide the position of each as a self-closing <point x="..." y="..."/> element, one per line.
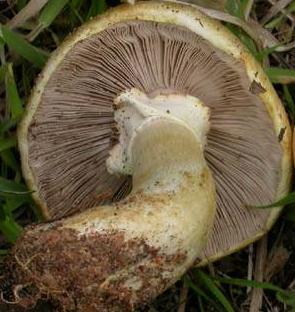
<point x="173" y="196"/>
<point x="164" y="221"/>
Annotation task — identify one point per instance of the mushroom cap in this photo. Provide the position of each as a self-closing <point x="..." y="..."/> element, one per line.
<point x="157" y="47"/>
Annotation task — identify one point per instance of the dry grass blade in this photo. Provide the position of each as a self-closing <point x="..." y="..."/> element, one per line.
<point x="267" y="39"/>
<point x="286" y="47"/>
<point x="274" y="10"/>
<point x="210" y="4"/>
<point x="225" y="17"/>
<point x="47" y="16"/>
<point x="30" y="10"/>
<point x="257" y="294"/>
<point x="183" y="298"/>
<point x="262" y="37"/>
<point x="250" y="266"/>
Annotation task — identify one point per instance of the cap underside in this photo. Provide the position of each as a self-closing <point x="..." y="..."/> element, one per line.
<point x="72" y="130"/>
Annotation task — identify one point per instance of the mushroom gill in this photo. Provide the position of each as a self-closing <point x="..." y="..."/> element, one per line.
<point x="73" y="128"/>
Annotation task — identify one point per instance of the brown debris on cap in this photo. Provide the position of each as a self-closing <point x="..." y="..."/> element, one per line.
<point x="72" y="130"/>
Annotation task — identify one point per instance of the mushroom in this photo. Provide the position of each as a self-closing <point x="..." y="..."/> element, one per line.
<point x="129" y="95"/>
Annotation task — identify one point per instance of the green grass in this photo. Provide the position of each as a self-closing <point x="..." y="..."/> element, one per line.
<point x="23" y="53"/>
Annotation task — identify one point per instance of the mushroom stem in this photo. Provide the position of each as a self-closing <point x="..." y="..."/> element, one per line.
<point x="115" y="257"/>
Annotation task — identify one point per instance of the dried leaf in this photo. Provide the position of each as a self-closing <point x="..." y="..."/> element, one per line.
<point x="276" y="262"/>
<point x="256" y="88"/>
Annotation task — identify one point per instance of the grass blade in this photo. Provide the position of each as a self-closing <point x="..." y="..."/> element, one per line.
<point x="249" y="283"/>
<point x="2" y="73"/>
<point x="96" y="7"/>
<point x="282" y="295"/>
<point x="11" y="187"/>
<point x="261" y="55"/>
<point x="3" y="252"/>
<point x="234" y="8"/>
<point x="247" y="6"/>
<point x="51" y="11"/>
<point x="281" y="75"/>
<point x="201" y="293"/>
<point x="5" y="126"/>
<point x="276" y="22"/>
<point x="21" y="4"/>
<point x="19" y="45"/>
<point x="289" y="213"/>
<point x="47" y="16"/>
<point x="15" y="202"/>
<point x="12" y="96"/>
<point x="245" y="38"/>
<point x="9" y="160"/>
<point x="274" y="10"/>
<point x="287" y="200"/>
<point x="10" y="229"/>
<point x="211" y="286"/>
<point x="289" y="101"/>
<point x="7" y="143"/>
<point x="287" y="298"/>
